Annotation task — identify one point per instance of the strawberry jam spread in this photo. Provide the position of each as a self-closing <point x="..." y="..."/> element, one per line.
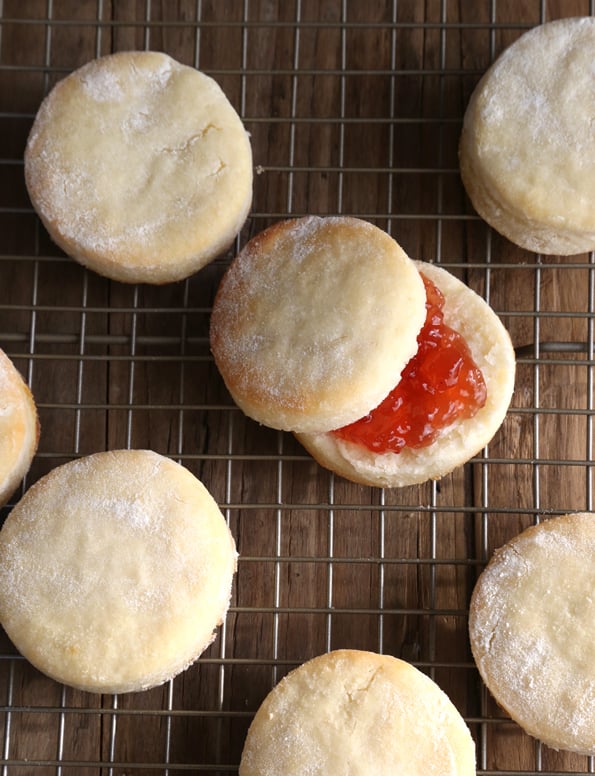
<point x="440" y="384"/>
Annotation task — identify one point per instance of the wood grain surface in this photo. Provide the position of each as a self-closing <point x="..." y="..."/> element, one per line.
<point x="355" y="108"/>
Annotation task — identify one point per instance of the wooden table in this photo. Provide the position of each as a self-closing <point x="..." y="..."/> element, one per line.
<point x="354" y="108"/>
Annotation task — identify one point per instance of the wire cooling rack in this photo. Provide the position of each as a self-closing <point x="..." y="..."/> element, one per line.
<point x="353" y="108"/>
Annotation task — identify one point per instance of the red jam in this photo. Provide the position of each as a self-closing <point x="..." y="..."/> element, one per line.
<point x="440" y="384"/>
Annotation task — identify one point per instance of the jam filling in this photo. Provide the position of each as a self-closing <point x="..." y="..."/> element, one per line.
<point x="439" y="385"/>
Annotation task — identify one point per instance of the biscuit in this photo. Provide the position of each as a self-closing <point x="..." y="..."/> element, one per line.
<point x="527" y="149"/>
<point x="358" y="713"/>
<point x="532" y="630"/>
<point x="19" y="428"/>
<point x="491" y="348"/>
<point x="139" y="167"/>
<point x="314" y="321"/>
<point x="115" y="570"/>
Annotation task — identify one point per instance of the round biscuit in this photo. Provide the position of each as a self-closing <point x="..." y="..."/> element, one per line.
<point x="314" y="321"/>
<point x="527" y="149"/>
<point x="532" y="630"/>
<point x="115" y="570"/>
<point x="139" y="167"/>
<point x="19" y="428"/>
<point x="360" y="713"/>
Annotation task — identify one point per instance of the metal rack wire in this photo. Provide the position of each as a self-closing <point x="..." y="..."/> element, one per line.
<point x="353" y="108"/>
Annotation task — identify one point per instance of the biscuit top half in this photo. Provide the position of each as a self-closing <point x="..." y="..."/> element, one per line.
<point x="314" y="322"/>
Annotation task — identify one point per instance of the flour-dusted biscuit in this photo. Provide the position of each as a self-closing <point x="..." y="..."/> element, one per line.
<point x="527" y="150"/>
<point x="314" y="321"/>
<point x="532" y="630"/>
<point x="19" y="428"/>
<point x="115" y="570"/>
<point x="139" y="167"/>
<point x="491" y="348"/>
<point x="318" y="321"/>
<point x="358" y="713"/>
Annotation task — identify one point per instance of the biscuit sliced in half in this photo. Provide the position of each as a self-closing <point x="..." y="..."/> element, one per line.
<point x="139" y="167"/>
<point x="314" y="321"/>
<point x="490" y="346"/>
<point x="115" y="570"/>
<point x="532" y="630"/>
<point x="359" y="713"/>
<point x="19" y="428"/>
<point x="527" y="149"/>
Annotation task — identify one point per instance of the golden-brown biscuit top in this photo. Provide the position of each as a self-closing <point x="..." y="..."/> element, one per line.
<point x="315" y="320"/>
